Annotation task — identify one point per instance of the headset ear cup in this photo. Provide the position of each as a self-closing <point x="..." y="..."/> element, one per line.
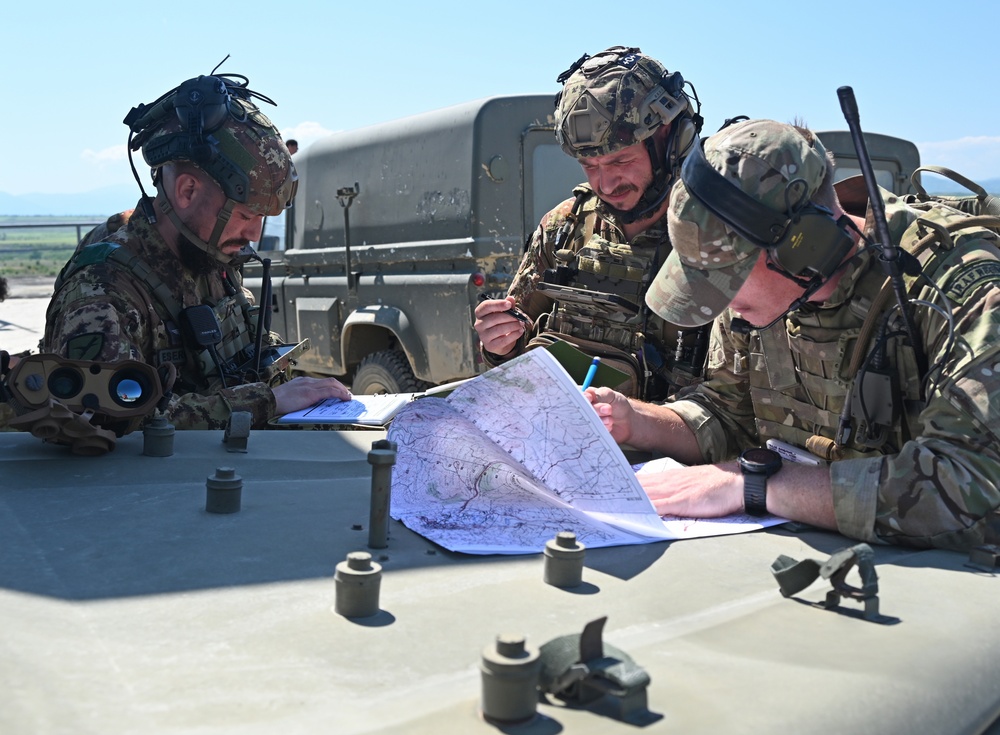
<point x="684" y="135"/>
<point x="815" y="244"/>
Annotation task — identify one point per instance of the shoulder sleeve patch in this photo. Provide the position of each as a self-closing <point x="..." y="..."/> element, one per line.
<point x="96" y="252"/>
<point x="966" y="279"/>
<point x="85" y="346"/>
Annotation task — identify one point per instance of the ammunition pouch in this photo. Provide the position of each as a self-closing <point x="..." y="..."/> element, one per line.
<point x="609" y="326"/>
<point x="613" y="268"/>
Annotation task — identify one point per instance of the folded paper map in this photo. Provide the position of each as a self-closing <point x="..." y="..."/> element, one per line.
<point x="518" y="454"/>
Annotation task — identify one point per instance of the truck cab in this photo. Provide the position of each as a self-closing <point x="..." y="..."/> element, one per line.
<point x="893" y="159"/>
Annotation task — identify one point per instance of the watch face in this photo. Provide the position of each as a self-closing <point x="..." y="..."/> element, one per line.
<point x="760" y="460"/>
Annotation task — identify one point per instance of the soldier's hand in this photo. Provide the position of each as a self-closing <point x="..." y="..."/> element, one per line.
<point x="615" y="411"/>
<point x="703" y="491"/>
<point x="303" y="392"/>
<point x="497" y="330"/>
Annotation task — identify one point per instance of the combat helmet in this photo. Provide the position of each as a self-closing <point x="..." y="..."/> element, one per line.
<point x="618" y="98"/>
<point x="212" y="122"/>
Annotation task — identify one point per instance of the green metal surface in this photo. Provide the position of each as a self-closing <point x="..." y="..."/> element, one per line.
<point x="127" y="608"/>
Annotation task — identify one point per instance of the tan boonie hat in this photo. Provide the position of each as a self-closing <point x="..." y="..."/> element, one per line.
<point x="710" y="261"/>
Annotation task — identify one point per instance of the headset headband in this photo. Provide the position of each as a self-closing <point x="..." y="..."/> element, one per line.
<point x="806" y="240"/>
<point x="755" y="222"/>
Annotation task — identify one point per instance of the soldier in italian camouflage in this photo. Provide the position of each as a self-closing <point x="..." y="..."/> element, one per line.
<point x="585" y="270"/>
<point x="900" y="441"/>
<point x="219" y="167"/>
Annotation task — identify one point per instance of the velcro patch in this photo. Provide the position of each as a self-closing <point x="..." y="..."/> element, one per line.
<point x="85" y="346"/>
<point x="967" y="279"/>
<point x="174" y="355"/>
<point x="628" y="60"/>
<point x="96" y="252"/>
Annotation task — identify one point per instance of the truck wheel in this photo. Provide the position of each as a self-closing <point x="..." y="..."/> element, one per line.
<point x="386" y="372"/>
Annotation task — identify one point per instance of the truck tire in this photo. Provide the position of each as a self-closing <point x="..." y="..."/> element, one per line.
<point x="386" y="372"/>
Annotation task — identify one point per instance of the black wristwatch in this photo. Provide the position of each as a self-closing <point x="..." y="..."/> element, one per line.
<point x="757" y="464"/>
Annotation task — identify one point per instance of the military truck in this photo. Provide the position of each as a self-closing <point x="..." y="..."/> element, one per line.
<point x="397" y="228"/>
<point x="893" y="159"/>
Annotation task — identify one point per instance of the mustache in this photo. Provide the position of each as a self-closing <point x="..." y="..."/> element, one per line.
<point x="622" y="190"/>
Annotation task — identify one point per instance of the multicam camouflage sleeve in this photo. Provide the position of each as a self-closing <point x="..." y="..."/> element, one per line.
<point x="719" y="411"/>
<point x="941" y="487"/>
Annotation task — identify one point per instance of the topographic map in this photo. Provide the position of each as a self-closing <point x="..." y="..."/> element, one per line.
<point x="515" y="456"/>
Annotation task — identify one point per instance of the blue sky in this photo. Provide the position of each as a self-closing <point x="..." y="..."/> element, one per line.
<point x="71" y="71"/>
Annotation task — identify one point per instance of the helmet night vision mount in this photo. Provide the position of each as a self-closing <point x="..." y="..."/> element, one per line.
<point x="196" y="109"/>
<point x="212" y="123"/>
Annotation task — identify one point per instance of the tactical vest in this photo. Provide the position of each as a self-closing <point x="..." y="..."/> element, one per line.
<point x="602" y="267"/>
<point x="237" y="320"/>
<point x="592" y="268"/>
<point x="802" y="370"/>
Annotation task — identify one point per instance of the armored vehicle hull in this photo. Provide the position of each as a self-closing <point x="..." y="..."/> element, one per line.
<point x="129" y="608"/>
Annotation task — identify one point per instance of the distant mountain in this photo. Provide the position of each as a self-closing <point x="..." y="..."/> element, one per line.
<point x="938" y="185"/>
<point x="99" y="202"/>
<point x="111" y="199"/>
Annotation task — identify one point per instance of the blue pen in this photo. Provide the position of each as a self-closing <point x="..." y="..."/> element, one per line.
<point x="591" y="372"/>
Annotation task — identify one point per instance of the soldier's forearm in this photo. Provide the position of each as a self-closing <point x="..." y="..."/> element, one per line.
<point x="657" y="428"/>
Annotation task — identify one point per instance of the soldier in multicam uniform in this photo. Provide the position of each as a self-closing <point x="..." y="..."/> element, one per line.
<point x="219" y="167"/>
<point x="929" y="474"/>
<point x="629" y="123"/>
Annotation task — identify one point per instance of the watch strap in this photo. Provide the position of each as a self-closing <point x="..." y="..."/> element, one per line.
<point x="755" y="493"/>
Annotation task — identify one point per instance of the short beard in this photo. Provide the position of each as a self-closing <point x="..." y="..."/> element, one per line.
<point x="195" y="259"/>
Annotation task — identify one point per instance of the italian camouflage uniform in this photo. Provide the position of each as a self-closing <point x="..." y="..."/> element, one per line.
<point x="105" y="312"/>
<point x="596" y="230"/>
<point x="100" y="233"/>
<point x="934" y="481"/>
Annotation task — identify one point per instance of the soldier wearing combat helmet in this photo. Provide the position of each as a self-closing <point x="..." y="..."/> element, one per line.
<point x="165" y="288"/>
<point x="811" y="355"/>
<point x="629" y="122"/>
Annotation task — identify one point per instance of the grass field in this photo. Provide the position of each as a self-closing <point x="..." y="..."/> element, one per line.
<point x="38" y="250"/>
